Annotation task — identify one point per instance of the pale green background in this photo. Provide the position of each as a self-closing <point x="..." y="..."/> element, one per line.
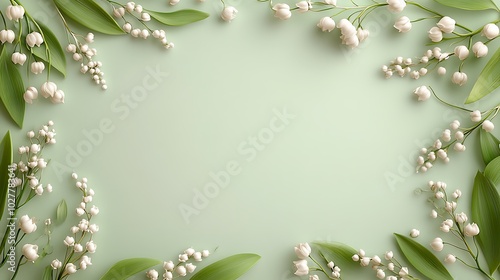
<point x="323" y="177"/>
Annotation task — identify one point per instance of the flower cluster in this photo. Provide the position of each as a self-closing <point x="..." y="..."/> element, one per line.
<point x="389" y="271"/>
<point x="83" y="53"/>
<point x="137" y="13"/>
<point x="80" y="243"/>
<point x="182" y="267"/>
<point x="453" y="223"/>
<point x="454" y="136"/>
<point x="303" y="252"/>
<point x="31" y="38"/>
<point x="435" y="57"/>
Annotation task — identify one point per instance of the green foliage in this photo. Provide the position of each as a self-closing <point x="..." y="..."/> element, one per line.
<point x="89" y="14"/>
<point x="489" y="146"/>
<point x="469" y="4"/>
<point x="11" y="88"/>
<point x="61" y="212"/>
<point x="488" y="80"/>
<point x="341" y="254"/>
<point x="128" y="267"/>
<point x="485" y="207"/>
<point x="230" y="268"/>
<point x="5" y="161"/>
<point x="177" y="18"/>
<point x="422" y="259"/>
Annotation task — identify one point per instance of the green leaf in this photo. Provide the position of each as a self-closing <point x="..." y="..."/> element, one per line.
<point x="5" y="161"/>
<point x="339" y="253"/>
<point x="128" y="267"/>
<point x="485" y="208"/>
<point x="180" y="17"/>
<point x="489" y="146"/>
<point x="11" y="88"/>
<point x="89" y="14"/>
<point x="47" y="273"/>
<point x="57" y="58"/>
<point x="230" y="268"/>
<point x="422" y="259"/>
<point x="492" y="172"/>
<point x="488" y="79"/>
<point x="61" y="212"/>
<point x="475" y="5"/>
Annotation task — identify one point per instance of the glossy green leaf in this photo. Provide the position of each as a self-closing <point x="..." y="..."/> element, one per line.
<point x="469" y="4"/>
<point x="230" y="268"/>
<point x="61" y="212"/>
<point x="422" y="259"/>
<point x="180" y="17"/>
<point x="489" y="146"/>
<point x="89" y="14"/>
<point x="339" y="253"/>
<point x="488" y="80"/>
<point x="485" y="208"/>
<point x="128" y="267"/>
<point x="492" y="172"/>
<point x="5" y="161"/>
<point x="11" y="88"/>
<point x="57" y="58"/>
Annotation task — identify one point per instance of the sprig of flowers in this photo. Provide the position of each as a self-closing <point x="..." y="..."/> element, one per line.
<point x="182" y="267"/>
<point x="304" y="252"/>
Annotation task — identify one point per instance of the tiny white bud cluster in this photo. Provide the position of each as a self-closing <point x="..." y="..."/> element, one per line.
<point x="182" y="267"/>
<point x="390" y="270"/>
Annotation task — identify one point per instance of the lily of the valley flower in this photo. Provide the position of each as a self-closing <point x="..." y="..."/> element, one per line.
<point x="30" y="252"/>
<point x="488" y="126"/>
<point x="437" y="244"/>
<point x="403" y="24"/>
<point x="326" y="24"/>
<point x="396" y="6"/>
<point x="30" y="94"/>
<point x="446" y="24"/>
<point x="34" y="39"/>
<point x="480" y="49"/>
<point x="435" y="34"/>
<point x="27" y="224"/>
<point x="282" y="11"/>
<point x="303" y="250"/>
<point x="229" y="13"/>
<point x="14" y="13"/>
<point x="490" y="31"/>
<point x="459" y="78"/>
<point x="301" y="267"/>
<point x="48" y="89"/>
<point x="462" y="52"/>
<point x="471" y="230"/>
<point x="423" y="93"/>
<point x="7" y="35"/>
<point x="18" y="58"/>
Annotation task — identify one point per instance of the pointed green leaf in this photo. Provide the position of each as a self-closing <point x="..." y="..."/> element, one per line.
<point x="469" y="4"/>
<point x="489" y="146"/>
<point x="422" y="259"/>
<point x="230" y="268"/>
<point x="61" y="212"/>
<point x="11" y="88"/>
<point x="339" y="253"/>
<point x="128" y="267"/>
<point x="47" y="273"/>
<point x="57" y="58"/>
<point x="89" y="14"/>
<point x="177" y="18"/>
<point x="5" y="161"/>
<point x="485" y="208"/>
<point x="492" y="172"/>
<point x="488" y="79"/>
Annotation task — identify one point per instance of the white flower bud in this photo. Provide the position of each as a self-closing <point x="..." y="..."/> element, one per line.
<point x="181" y="270"/>
<point x="475" y="116"/>
<point x="441" y="71"/>
<point x="58" y="97"/>
<point x="70" y="268"/>
<point x="37" y="67"/>
<point x="174" y="2"/>
<point x="403" y="24"/>
<point x="435" y="34"/>
<point x="488" y="126"/>
<point x="461" y="218"/>
<point x="396" y="6"/>
<point x="423" y="93"/>
<point x="119" y="12"/>
<point x="145" y="17"/>
<point x="282" y="11"/>
<point x="414" y="233"/>
<point x="459" y="147"/>
<point x="490" y="31"/>
<point x="228" y="13"/>
<point x="450" y="259"/>
<point x="7" y="35"/>
<point x="304" y="6"/>
<point x="437" y="244"/>
<point x="326" y="24"/>
<point x="462" y="52"/>
<point x="480" y="49"/>
<point x="362" y="34"/>
<point x="29" y="95"/>
<point x="471" y="230"/>
<point x="18" y="58"/>
<point x="14" y="13"/>
<point x="459" y="78"/>
<point x="30" y="252"/>
<point x="446" y="24"/>
<point x="127" y="27"/>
